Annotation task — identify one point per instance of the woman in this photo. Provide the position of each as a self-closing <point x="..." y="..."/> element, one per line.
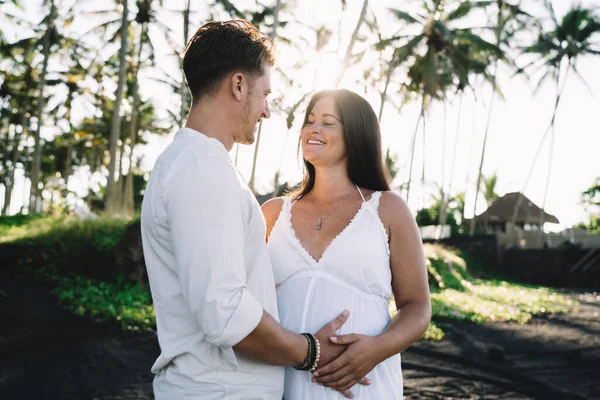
<point x="344" y="241"/>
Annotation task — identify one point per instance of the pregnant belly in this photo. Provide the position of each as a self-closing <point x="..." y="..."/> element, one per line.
<point x="307" y="303"/>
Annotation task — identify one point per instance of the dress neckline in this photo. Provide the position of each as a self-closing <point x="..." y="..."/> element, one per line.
<point x="300" y="247"/>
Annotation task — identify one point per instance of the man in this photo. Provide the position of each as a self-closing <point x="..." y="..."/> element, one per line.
<point x="204" y="236"/>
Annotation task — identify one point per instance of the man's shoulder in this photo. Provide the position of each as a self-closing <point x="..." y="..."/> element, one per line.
<point x="193" y="153"/>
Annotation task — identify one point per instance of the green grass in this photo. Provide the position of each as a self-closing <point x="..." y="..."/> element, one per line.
<point x="66" y="244"/>
<point x="103" y="233"/>
<point x="129" y="305"/>
<point x="455" y="294"/>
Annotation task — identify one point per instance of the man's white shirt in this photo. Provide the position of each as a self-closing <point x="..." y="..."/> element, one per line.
<point x="209" y="271"/>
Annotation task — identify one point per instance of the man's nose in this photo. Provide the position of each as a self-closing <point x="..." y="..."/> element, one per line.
<point x="266" y="111"/>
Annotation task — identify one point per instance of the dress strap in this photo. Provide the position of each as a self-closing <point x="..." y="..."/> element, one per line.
<point x="374" y="200"/>
<point x="359" y="192"/>
<point x="295" y="200"/>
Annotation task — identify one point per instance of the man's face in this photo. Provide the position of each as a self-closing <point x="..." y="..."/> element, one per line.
<point x="256" y="106"/>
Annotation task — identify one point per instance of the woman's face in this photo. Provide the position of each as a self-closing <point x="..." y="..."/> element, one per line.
<point x="322" y="137"/>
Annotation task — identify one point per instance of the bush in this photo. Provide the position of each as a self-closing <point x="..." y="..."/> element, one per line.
<point x="67" y="245"/>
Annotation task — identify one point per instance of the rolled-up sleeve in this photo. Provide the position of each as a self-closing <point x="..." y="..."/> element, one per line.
<point x="207" y="228"/>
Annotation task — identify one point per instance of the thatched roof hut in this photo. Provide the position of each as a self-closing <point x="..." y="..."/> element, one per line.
<point x="501" y="212"/>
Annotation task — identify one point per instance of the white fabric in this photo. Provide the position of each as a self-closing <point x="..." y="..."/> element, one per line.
<point x="209" y="271"/>
<point x="353" y="273"/>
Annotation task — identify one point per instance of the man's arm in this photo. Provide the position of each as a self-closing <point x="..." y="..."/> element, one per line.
<point x="207" y="229"/>
<point x="273" y="344"/>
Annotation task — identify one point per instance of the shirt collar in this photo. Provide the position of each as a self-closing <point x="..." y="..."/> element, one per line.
<point x="212" y="142"/>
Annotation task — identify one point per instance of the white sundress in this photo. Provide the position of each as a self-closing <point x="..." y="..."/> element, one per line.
<point x="353" y="273"/>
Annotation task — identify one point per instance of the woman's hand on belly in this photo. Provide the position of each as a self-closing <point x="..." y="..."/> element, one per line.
<point x="331" y="350"/>
<point x="352" y="365"/>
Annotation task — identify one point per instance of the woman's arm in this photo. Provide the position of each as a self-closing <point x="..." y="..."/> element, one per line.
<point x="411" y="292"/>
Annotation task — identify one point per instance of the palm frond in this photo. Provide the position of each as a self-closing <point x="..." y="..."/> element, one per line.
<point x="466" y="7"/>
<point x="402" y="53"/>
<point x="231" y="9"/>
<point x="404" y="16"/>
<point x="582" y="79"/>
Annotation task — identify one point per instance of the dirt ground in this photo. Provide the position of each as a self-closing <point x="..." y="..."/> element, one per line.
<point x="49" y="354"/>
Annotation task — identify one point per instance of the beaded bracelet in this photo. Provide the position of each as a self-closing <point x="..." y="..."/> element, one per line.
<point x="311" y="354"/>
<point x="318" y="355"/>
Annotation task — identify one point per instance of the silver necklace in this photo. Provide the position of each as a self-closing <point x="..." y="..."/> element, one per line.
<point x="321" y="218"/>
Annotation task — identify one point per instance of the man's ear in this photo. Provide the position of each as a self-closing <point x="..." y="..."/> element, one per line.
<point x="237" y="83"/>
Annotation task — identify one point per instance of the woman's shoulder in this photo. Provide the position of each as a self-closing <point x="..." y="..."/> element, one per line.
<point x="393" y="208"/>
<point x="273" y="205"/>
<point x="271" y="209"/>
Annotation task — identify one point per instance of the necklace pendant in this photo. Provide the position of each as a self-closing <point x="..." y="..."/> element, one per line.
<point x="319" y="224"/>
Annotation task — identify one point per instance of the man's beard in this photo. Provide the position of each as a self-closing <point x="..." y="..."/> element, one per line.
<point x="245" y="134"/>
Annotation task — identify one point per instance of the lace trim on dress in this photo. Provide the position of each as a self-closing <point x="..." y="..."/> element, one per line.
<point x="277" y="221"/>
<point x="300" y="248"/>
<point x="374" y="200"/>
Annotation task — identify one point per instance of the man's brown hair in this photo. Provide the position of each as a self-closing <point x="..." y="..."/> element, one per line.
<point x="220" y="48"/>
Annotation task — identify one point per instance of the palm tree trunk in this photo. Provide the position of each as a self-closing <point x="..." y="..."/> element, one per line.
<point x="252" y="174"/>
<point x="36" y="167"/>
<point x="276" y="184"/>
<point x="183" y="90"/>
<point x="444" y="211"/>
<point x="115" y="132"/>
<point x="444" y="145"/>
<point x="128" y="205"/>
<point x="119" y="184"/>
<point x="13" y="164"/>
<point x="473" y="124"/>
<point x="423" y="149"/>
<point x="412" y="152"/>
<point x="388" y="78"/>
<point x="346" y="61"/>
<point x="549" y="130"/>
<point x="94" y="162"/>
<point x="550" y="155"/>
<point x="485" y="137"/>
<point x="68" y="162"/>
<point x="237" y="150"/>
<point x="273" y="36"/>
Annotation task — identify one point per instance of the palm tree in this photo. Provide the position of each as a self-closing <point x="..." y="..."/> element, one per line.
<point x="489" y="188"/>
<point x="476" y="63"/>
<point x="392" y="164"/>
<point x="14" y="95"/>
<point x="115" y="131"/>
<point x="36" y="167"/>
<point x="439" y="57"/>
<point x="146" y="18"/>
<point x="145" y="121"/>
<point x="71" y="79"/>
<point x="557" y="52"/>
<point x="353" y="38"/>
<point x="184" y="90"/>
<point x="259" y="17"/>
<point x="510" y="19"/>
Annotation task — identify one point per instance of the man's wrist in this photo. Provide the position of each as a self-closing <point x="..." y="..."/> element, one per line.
<point x="313" y="356"/>
<point x="300" y="349"/>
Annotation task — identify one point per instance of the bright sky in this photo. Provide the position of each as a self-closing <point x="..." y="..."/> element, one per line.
<point x="518" y="121"/>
